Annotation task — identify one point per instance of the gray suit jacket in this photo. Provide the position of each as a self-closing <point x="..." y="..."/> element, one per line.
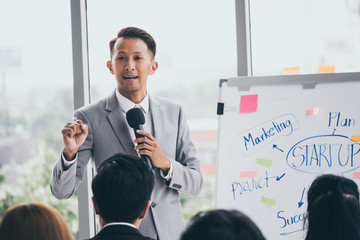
<point x="109" y="134"/>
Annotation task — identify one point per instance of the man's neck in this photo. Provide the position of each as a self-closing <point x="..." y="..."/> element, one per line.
<point x="137" y="223"/>
<point x="134" y="97"/>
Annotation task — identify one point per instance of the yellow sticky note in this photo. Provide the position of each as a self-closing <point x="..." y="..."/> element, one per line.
<point x="355" y="138"/>
<point x="326" y="68"/>
<point x="291" y="70"/>
<point x="268" y="201"/>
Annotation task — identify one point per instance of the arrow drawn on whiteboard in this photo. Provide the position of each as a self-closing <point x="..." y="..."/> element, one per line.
<point x="275" y="146"/>
<point x="301" y="200"/>
<point x="279" y="178"/>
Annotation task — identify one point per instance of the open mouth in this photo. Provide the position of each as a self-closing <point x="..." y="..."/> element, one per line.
<point x="130" y="77"/>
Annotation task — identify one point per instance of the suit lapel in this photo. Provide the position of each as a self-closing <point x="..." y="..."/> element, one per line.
<point x="118" y="123"/>
<point x="157" y="119"/>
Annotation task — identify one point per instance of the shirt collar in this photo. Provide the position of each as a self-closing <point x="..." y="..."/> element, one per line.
<point x="119" y="223"/>
<point x="126" y="104"/>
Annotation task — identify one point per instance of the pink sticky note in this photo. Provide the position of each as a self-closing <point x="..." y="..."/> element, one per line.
<point x="356" y="175"/>
<point x="248" y="103"/>
<point x="248" y="174"/>
<point x="309" y="112"/>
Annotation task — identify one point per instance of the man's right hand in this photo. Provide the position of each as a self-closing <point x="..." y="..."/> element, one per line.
<point x="74" y="135"/>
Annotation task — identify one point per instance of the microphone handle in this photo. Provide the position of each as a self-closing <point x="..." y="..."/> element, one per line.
<point x="140" y="127"/>
<point x="144" y="157"/>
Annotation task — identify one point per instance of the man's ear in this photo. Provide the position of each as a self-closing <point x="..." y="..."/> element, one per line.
<point x="154" y="66"/>
<point x="96" y="208"/>
<point x="109" y="66"/>
<point x="145" y="210"/>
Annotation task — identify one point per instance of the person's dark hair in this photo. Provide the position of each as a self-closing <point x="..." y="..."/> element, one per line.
<point x="333" y="209"/>
<point x="122" y="187"/>
<point x="221" y="224"/>
<point x="134" y="32"/>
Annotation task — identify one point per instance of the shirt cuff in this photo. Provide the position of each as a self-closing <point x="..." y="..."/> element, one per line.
<point x="169" y="175"/>
<point x="67" y="164"/>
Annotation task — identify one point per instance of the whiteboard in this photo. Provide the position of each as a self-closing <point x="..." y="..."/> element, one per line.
<point x="276" y="134"/>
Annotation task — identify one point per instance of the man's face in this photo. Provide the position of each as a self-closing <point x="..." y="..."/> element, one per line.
<point x="132" y="62"/>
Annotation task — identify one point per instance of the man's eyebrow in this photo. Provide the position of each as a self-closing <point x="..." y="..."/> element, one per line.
<point x="123" y="52"/>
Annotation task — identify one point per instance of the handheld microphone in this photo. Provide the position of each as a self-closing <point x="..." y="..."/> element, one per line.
<point x="135" y="118"/>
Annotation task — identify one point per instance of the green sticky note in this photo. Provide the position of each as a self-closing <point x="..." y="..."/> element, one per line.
<point x="264" y="162"/>
<point x="268" y="201"/>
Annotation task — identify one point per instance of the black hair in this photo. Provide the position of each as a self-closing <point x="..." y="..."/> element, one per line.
<point x="134" y="32"/>
<point x="122" y="187"/>
<point x="221" y="224"/>
<point x="333" y="209"/>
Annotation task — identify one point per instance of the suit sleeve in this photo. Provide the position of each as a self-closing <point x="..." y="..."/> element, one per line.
<point x="64" y="181"/>
<point x="186" y="176"/>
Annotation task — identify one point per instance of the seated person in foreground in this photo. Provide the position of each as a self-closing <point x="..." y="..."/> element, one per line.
<point x="333" y="209"/>
<point x="122" y="190"/>
<point x="221" y="225"/>
<point x="34" y="221"/>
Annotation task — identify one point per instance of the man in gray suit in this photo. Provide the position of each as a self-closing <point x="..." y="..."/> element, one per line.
<point x="100" y="130"/>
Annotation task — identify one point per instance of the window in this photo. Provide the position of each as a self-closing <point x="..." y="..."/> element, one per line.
<point x="304" y="36"/>
<point x="35" y="101"/>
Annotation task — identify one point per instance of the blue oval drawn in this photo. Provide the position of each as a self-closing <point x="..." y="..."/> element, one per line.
<point x="324" y="154"/>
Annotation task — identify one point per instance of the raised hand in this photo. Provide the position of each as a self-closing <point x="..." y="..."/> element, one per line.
<point x="74" y="135"/>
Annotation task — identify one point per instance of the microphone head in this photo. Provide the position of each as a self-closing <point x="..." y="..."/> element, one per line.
<point x="135" y="117"/>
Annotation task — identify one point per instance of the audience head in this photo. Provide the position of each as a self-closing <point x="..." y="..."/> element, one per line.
<point x="134" y="32"/>
<point x="333" y="209"/>
<point x="221" y="225"/>
<point x="35" y="221"/>
<point x="122" y="188"/>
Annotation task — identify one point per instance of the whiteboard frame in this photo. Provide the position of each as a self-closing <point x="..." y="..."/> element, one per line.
<point x="307" y="80"/>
